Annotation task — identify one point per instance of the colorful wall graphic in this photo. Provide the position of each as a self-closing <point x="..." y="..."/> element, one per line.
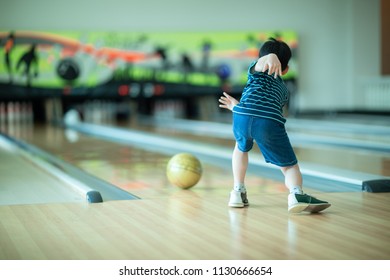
<point x="103" y="64"/>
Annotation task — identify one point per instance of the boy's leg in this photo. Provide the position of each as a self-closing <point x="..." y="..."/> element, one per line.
<point x="293" y="178"/>
<point x="297" y="200"/>
<point x="238" y="197"/>
<point x="239" y="166"/>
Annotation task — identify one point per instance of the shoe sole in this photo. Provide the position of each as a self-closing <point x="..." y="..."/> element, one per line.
<point x="312" y="208"/>
<point x="317" y="207"/>
<point x="236" y="205"/>
<point x="298" y="208"/>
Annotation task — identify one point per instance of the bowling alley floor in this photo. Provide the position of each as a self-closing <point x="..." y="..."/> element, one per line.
<point x="165" y="222"/>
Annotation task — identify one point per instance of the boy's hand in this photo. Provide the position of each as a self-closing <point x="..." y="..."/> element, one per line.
<point x="227" y="102"/>
<point x="271" y="63"/>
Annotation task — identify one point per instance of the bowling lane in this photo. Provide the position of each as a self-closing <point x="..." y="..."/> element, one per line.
<point x="139" y="171"/>
<point x="319" y="177"/>
<point x="138" y="166"/>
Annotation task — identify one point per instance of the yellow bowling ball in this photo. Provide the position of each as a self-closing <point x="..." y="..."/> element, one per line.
<point x="184" y="170"/>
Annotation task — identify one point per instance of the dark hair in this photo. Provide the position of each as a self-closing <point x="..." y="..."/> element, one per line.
<point x="281" y="49"/>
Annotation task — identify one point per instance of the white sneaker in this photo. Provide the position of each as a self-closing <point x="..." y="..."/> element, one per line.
<point x="238" y="199"/>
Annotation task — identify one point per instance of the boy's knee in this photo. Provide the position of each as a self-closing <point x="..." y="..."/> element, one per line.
<point x="286" y="168"/>
<point x="244" y="148"/>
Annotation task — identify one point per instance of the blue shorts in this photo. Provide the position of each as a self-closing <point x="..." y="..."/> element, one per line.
<point x="270" y="136"/>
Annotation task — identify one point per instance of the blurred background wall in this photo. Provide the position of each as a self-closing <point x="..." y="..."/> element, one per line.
<point x="339" y="40"/>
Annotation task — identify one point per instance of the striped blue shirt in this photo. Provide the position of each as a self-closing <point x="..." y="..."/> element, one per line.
<point x="263" y="96"/>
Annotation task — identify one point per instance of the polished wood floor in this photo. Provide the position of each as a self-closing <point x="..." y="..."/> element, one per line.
<point x="195" y="224"/>
<point x="198" y="225"/>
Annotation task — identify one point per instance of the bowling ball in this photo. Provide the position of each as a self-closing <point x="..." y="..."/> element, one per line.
<point x="68" y="69"/>
<point x="184" y="170"/>
<point x="223" y="71"/>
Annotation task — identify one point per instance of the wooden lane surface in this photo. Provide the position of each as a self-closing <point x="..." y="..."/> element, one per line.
<point x="138" y="171"/>
<point x="196" y="225"/>
<point x="169" y="223"/>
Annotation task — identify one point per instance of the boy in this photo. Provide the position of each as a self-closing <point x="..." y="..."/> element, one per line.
<point x="259" y="117"/>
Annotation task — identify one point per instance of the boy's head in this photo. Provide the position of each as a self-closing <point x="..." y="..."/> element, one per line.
<point x="279" y="48"/>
